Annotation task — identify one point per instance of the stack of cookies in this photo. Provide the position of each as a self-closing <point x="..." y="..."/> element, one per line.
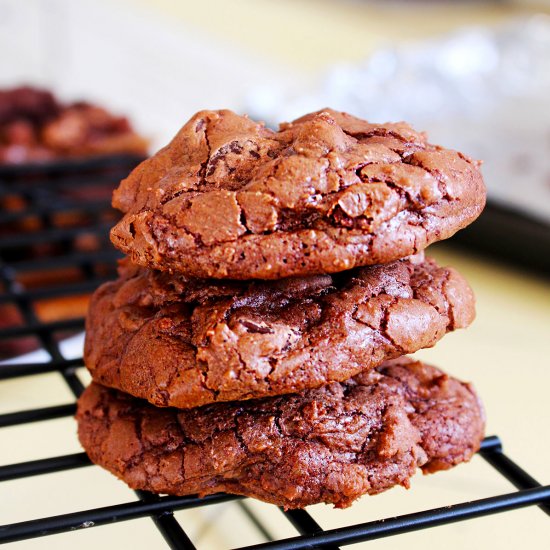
<point x="255" y="341"/>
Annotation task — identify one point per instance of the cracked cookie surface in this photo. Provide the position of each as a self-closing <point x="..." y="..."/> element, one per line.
<point x="229" y="198"/>
<point x="187" y="342"/>
<point x="331" y="444"/>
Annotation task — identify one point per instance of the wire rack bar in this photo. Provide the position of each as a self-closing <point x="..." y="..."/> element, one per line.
<point x="44" y="466"/>
<point x="171" y="530"/>
<point x="122" y="162"/>
<point x="104" y="515"/>
<point x="50" y="235"/>
<point x="70" y="289"/>
<point x="35" y="415"/>
<point x="255" y="520"/>
<point x="41" y="328"/>
<point x="302" y="521"/>
<point x="66" y="260"/>
<point x="14" y="370"/>
<point x="410" y="522"/>
<point x="90" y="207"/>
<point x="74" y="383"/>
<point x="64" y="187"/>
<point x="305" y="524"/>
<point x="62" y="207"/>
<point x="168" y="525"/>
<point x="512" y="472"/>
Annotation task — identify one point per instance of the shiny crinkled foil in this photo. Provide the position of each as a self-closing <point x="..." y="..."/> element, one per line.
<point x="484" y="91"/>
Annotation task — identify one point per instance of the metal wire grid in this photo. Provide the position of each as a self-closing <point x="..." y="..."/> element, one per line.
<point x="41" y="188"/>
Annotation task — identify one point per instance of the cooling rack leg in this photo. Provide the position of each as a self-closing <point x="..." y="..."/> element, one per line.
<point x="491" y="451"/>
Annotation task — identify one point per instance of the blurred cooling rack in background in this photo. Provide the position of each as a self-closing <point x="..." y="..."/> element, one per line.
<point x="54" y="233"/>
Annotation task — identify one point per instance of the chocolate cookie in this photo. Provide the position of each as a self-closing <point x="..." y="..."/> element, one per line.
<point x="36" y="127"/>
<point x="331" y="445"/>
<point x="184" y="343"/>
<point x="229" y="198"/>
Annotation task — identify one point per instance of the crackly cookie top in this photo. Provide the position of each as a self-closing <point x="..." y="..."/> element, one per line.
<point x="230" y="198"/>
<point x="188" y="342"/>
<point x="330" y="445"/>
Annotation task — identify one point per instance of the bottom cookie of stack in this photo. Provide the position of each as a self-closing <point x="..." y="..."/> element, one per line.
<point x="331" y="444"/>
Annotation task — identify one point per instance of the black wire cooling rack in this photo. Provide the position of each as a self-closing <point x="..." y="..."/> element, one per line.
<point x="54" y="219"/>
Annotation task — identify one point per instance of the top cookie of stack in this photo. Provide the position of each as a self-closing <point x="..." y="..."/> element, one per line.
<point x="230" y="198"/>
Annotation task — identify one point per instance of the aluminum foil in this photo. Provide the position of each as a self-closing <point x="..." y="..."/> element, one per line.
<point x="484" y="91"/>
